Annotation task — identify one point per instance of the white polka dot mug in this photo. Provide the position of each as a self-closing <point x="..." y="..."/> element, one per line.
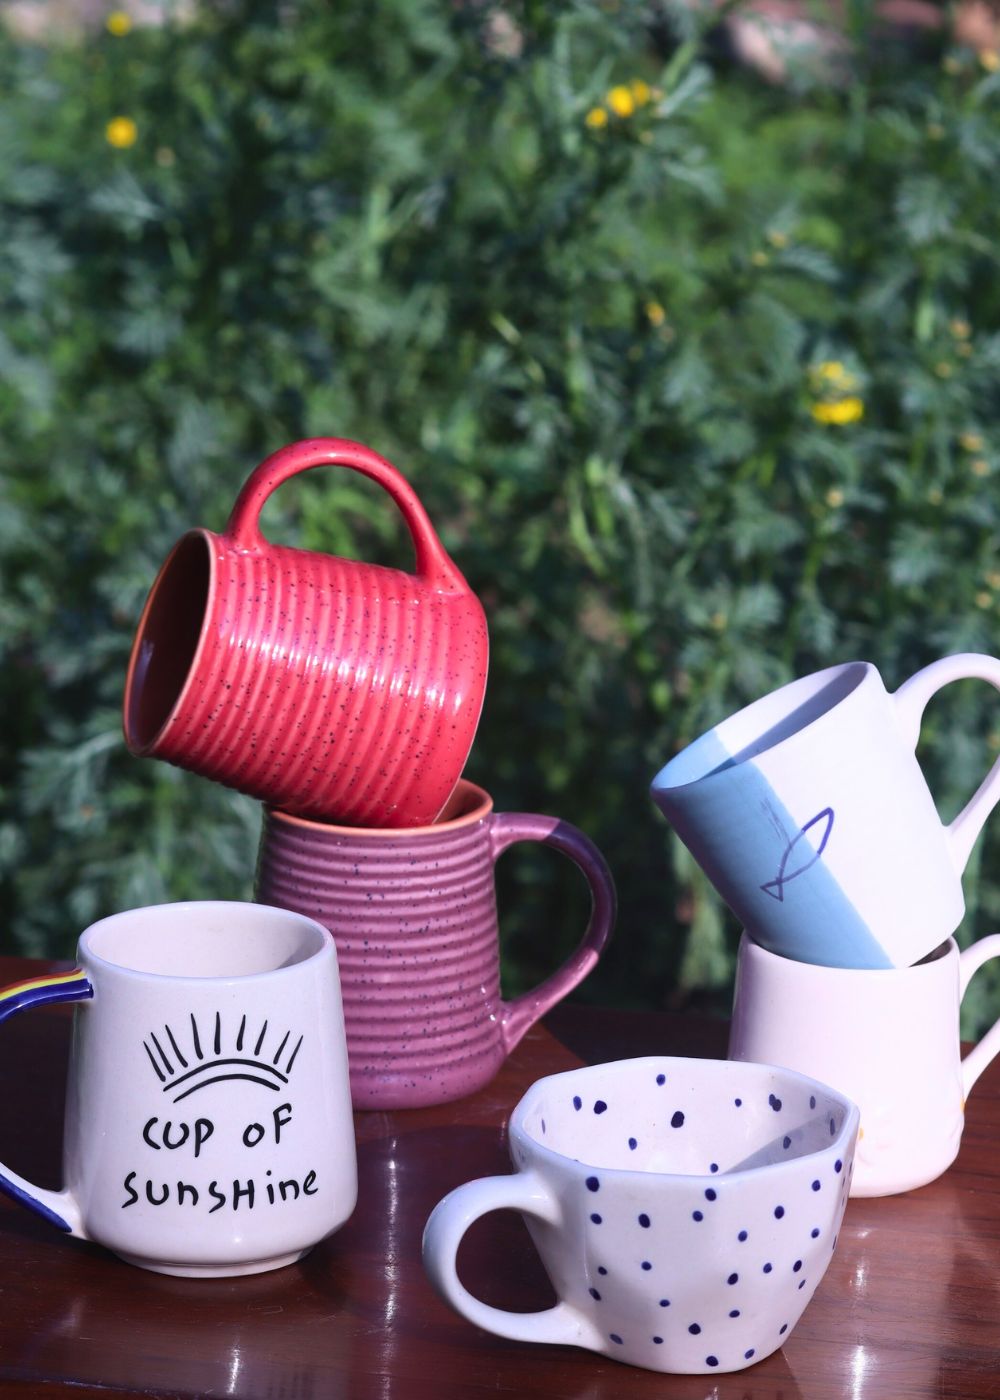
<point x="685" y="1210"/>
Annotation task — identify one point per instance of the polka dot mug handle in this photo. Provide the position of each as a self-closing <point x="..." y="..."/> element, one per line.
<point x="451" y="1218"/>
<point x="969" y="962"/>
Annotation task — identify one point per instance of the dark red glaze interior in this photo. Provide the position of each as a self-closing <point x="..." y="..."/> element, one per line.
<point x="166" y="641"/>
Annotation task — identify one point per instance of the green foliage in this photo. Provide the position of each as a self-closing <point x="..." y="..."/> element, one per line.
<point x="599" y="345"/>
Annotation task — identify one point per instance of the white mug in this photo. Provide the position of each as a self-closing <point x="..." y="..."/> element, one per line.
<point x="888" y="1039"/>
<point x="685" y="1210"/>
<point x="809" y="812"/>
<point x="208" y="1113"/>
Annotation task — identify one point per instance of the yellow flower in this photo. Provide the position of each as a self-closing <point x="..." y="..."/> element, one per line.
<point x="121" y="132"/>
<point x="655" y="313"/>
<point x="952" y="65"/>
<point x="759" y="259"/>
<point x="993" y="581"/>
<point x="621" y="101"/>
<point x="777" y="239"/>
<point x="935" y="131"/>
<point x="831" y="374"/>
<point x="980" y="467"/>
<point x="984" y="599"/>
<point x="960" y="329"/>
<point x="596" y="118"/>
<point x="641" y="91"/>
<point x="118" y="23"/>
<point x="847" y="410"/>
<point x="944" y="370"/>
<point x="834" y="497"/>
<point x="971" y="442"/>
<point x="990" y="60"/>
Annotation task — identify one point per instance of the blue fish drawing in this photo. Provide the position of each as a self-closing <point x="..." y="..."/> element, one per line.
<point x="776" y="887"/>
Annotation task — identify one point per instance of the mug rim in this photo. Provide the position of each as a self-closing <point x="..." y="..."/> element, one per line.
<point x="464" y="790"/>
<point x="941" y="953"/>
<point x="325" y="946"/>
<point x="661" y="783"/>
<point x="840" y="1144"/>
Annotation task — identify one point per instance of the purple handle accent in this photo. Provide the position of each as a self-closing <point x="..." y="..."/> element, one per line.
<point x="506" y="829"/>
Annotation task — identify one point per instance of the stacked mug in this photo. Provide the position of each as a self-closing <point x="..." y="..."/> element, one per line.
<point x="810" y="814"/>
<point x="346" y="696"/>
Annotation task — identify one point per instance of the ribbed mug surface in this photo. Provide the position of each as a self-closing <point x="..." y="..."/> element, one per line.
<point x="414" y="916"/>
<point x="331" y="688"/>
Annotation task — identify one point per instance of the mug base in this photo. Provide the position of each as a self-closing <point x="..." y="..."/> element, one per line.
<point x="233" y="1270"/>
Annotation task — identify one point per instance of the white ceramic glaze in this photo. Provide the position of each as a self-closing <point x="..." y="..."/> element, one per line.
<point x="685" y="1210"/>
<point x="208" y="1117"/>
<point x="887" y="1039"/>
<point x="809" y="812"/>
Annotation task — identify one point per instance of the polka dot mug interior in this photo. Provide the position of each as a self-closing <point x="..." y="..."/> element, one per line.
<point x="685" y="1210"/>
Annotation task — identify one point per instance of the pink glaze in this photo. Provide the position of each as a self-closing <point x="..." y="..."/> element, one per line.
<point x="414" y="917"/>
<point x="331" y="688"/>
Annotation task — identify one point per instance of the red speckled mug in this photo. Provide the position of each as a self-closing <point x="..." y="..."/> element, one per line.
<point x="414" y="916"/>
<point x="334" y="689"/>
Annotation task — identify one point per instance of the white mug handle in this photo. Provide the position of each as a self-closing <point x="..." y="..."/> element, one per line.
<point x="969" y="962"/>
<point x="911" y="699"/>
<point x="524" y="1191"/>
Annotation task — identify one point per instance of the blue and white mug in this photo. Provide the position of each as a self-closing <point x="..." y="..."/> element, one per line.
<point x="685" y="1210"/>
<point x="209" y="1129"/>
<point x="810" y="814"/>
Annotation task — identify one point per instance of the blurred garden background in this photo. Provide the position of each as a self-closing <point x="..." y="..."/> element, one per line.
<point x="695" y="371"/>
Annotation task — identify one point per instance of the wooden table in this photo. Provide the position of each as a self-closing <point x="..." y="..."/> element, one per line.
<point x="909" y="1307"/>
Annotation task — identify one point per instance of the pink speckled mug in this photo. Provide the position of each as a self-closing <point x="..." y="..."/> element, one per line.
<point x="335" y="689"/>
<point x="414" y="916"/>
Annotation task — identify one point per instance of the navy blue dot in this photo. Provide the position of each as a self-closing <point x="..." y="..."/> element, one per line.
<point x="768" y="1268"/>
<point x="664" y="1302"/>
<point x="710" y="1194"/>
<point x="711" y="1361"/>
<point x="646" y="1265"/>
<point x="694" y="1329"/>
<point x="786" y="1143"/>
<point x="775" y="1102"/>
<point x="838" y="1165"/>
<point x="733" y="1278"/>
<point x="593" y="1184"/>
<point x="814" y="1232"/>
<point x="644" y="1221"/>
<point x="632" y="1144"/>
<point x="661" y="1079"/>
<point x="658" y="1341"/>
<point x="742" y="1236"/>
<point x="796" y="1266"/>
<point x="596" y="1218"/>
<point x="738" y="1103"/>
<point x="615" y="1338"/>
<point x="577" y="1102"/>
<point x="815" y="1185"/>
<point x="779" y="1212"/>
<point x="697" y="1215"/>
<point x="678" y="1120"/>
<point x="602" y="1270"/>
<point x="747" y="1354"/>
<point x="600" y="1106"/>
<point x="543" y="1125"/>
<point x="735" y="1312"/>
<point x="802" y="1284"/>
<point x="833" y="1128"/>
<point x="782" y="1329"/>
<point x="595" y="1295"/>
<point x="812" y="1100"/>
<point x="835" y="1239"/>
<point x="713" y="1166"/>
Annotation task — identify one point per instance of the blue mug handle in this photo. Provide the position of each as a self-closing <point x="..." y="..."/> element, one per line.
<point x="53" y="1206"/>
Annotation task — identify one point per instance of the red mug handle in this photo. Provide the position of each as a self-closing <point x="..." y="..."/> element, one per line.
<point x="243" y="529"/>
<point x="509" y="827"/>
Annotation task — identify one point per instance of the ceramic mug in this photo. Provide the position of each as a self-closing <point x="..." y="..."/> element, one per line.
<point x="685" y="1210"/>
<point x="414" y="914"/>
<point x="208" y="1114"/>
<point x="809" y="812"/>
<point x="329" y="687"/>
<point x="889" y="1039"/>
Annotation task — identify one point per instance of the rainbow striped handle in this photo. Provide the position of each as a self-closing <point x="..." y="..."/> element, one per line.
<point x="52" y="1206"/>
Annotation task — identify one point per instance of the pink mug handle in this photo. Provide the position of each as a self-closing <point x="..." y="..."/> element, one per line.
<point x="243" y="530"/>
<point x="506" y="829"/>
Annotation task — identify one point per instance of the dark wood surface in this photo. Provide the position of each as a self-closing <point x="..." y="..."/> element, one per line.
<point x="910" y="1306"/>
